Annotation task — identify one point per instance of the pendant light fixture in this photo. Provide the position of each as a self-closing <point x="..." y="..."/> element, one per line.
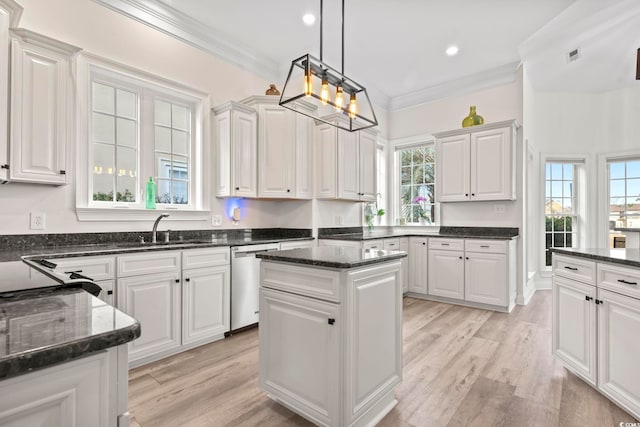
<point x="338" y="100"/>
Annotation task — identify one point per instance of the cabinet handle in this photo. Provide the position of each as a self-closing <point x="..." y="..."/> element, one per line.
<point x="63" y="172"/>
<point x="331" y="321"/>
<point x="484" y="246"/>
<point x="187" y="280"/>
<point x="627" y="283"/>
<point x="570" y="268"/>
<point x="444" y="244"/>
<point x="599" y="301"/>
<point x="177" y="280"/>
<point x="5" y="166"/>
<point x="109" y="292"/>
<point x="588" y="298"/>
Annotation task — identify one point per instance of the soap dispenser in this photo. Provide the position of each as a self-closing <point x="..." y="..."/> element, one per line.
<point x="150" y="194"/>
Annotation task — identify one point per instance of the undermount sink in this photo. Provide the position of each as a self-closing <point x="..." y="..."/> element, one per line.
<point x="162" y="244"/>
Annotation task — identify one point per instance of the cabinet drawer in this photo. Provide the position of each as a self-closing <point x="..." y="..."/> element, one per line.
<point x="146" y="263"/>
<point x="373" y="244"/>
<point x="488" y="246"/>
<point x="392" y="244"/>
<point x="306" y="281"/>
<point x="97" y="268"/>
<point x="623" y="280"/>
<point x="575" y="268"/>
<point x="207" y="257"/>
<point x="447" y="244"/>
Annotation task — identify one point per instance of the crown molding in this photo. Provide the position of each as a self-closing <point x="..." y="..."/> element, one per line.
<point x="193" y="32"/>
<point x="41" y="40"/>
<point x="485" y="79"/>
<point x="13" y="9"/>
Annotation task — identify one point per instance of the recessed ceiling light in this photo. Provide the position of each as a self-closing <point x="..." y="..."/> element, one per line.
<point x="452" y="50"/>
<point x="308" y="19"/>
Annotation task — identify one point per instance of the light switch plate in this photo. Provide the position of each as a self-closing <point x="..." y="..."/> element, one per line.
<point x="216" y="220"/>
<point x="37" y="220"/>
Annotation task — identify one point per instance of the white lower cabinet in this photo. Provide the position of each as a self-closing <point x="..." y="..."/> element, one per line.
<point x="335" y="363"/>
<point x="205" y="303"/>
<point x="83" y="392"/>
<point x="299" y="352"/>
<point x="595" y="323"/>
<point x="153" y="300"/>
<point x="180" y="298"/>
<point x="417" y="264"/>
<point x="618" y="349"/>
<point x="485" y="279"/>
<point x="574" y="326"/>
<point x="446" y="273"/>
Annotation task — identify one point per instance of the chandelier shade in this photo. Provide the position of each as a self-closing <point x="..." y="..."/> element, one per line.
<point x="332" y="93"/>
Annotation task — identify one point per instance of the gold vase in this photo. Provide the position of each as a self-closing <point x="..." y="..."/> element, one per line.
<point x="472" y="119"/>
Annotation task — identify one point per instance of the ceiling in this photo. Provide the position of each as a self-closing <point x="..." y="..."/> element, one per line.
<point x="397" y="49"/>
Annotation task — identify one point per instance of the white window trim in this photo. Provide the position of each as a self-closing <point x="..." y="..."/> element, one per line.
<point x="393" y="172"/>
<point x="581" y="201"/>
<point x="87" y="211"/>
<point x="603" y="192"/>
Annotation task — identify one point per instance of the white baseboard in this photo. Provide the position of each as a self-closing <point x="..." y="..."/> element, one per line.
<point x="543" y="283"/>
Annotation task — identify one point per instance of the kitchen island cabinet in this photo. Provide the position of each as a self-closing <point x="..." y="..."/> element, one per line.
<point x="331" y="332"/>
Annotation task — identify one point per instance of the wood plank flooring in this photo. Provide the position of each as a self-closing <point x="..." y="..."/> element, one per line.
<point x="462" y="367"/>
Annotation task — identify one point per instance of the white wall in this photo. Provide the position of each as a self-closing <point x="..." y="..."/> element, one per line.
<point x="105" y="33"/>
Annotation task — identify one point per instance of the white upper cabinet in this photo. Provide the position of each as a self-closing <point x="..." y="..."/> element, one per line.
<point x="40" y="108"/>
<point x="345" y="164"/>
<point x="10" y="12"/>
<point x="236" y="150"/>
<point x="284" y="141"/>
<point x="476" y="163"/>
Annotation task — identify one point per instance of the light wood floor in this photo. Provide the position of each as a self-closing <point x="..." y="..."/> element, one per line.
<point x="462" y="367"/>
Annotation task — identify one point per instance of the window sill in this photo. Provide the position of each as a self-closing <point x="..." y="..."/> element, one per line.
<point x="115" y="214"/>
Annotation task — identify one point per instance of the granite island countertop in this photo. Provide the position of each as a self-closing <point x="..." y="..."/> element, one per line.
<point x="47" y="326"/>
<point x="333" y="256"/>
<point x="626" y="256"/>
<point x="491" y="233"/>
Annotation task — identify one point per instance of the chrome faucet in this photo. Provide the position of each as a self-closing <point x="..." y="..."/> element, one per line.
<point x="154" y="231"/>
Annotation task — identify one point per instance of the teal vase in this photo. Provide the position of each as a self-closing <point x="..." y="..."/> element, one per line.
<point x="150" y="194"/>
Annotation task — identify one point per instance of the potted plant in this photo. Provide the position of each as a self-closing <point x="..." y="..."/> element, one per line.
<point x="371" y="212"/>
<point x="422" y="213"/>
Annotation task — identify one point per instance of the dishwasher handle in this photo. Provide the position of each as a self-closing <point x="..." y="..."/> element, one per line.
<point x="251" y="253"/>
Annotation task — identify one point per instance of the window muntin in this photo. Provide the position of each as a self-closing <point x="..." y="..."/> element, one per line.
<point x="624" y="193"/>
<point x="172" y="130"/>
<point x="560" y="207"/>
<point x="417" y="184"/>
<point x="114" y="118"/>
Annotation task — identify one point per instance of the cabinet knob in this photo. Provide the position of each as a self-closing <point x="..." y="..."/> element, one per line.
<point x="63" y="172"/>
<point x="466" y="257"/>
<point x="473" y="194"/>
<point x="331" y="321"/>
<point x="460" y="257"/>
<point x="187" y="280"/>
<point x="466" y="194"/>
<point x="5" y="166"/>
<point x="588" y="298"/>
<point x="599" y="301"/>
<point x="424" y="243"/>
<point x="288" y="191"/>
<point x="109" y="292"/>
<point x="177" y="280"/>
<point x="237" y="188"/>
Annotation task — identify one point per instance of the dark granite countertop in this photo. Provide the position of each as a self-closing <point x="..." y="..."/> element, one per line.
<point x="332" y="256"/>
<point x="635" y="230"/>
<point x="497" y="233"/>
<point x="627" y="256"/>
<point x="43" y="327"/>
<point x="112" y="248"/>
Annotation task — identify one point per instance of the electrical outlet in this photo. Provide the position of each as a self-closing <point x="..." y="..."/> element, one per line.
<point x="37" y="220"/>
<point x="499" y="209"/>
<point x="338" y="220"/>
<point x="216" y="220"/>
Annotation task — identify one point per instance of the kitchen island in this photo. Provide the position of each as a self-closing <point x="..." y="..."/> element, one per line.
<point x="331" y="332"/>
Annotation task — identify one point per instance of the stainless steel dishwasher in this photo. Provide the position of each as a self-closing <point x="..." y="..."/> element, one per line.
<point x="245" y="283"/>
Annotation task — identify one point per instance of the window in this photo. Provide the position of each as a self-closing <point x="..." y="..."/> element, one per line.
<point x="624" y="196"/>
<point x="560" y="208"/>
<point x="141" y="126"/>
<point x="417" y="184"/>
<point x="381" y="159"/>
